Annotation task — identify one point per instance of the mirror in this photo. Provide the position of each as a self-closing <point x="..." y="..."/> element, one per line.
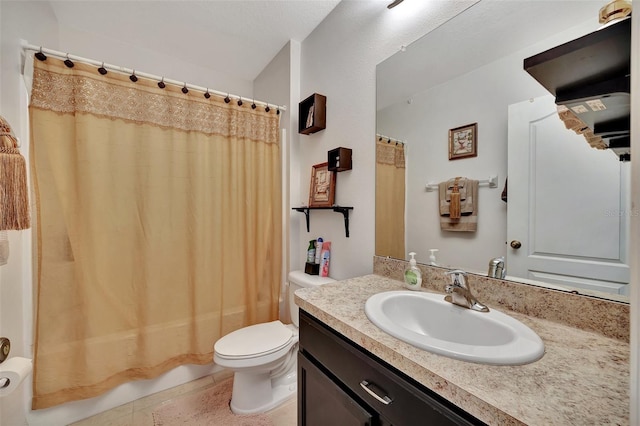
<point x="467" y="71"/>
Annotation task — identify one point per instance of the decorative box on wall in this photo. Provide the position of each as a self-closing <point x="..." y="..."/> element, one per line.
<point x="339" y="159"/>
<point x="312" y="114"/>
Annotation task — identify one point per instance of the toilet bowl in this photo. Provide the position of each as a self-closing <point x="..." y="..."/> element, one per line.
<point x="263" y="356"/>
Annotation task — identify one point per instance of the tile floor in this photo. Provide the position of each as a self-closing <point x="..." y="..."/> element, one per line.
<point x="138" y="412"/>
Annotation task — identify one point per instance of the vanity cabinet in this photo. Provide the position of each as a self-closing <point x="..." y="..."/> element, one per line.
<point x="340" y="383"/>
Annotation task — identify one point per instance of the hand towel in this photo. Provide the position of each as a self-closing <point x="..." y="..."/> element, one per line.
<point x="468" y="221"/>
<point x="466" y="197"/>
<point x="573" y="122"/>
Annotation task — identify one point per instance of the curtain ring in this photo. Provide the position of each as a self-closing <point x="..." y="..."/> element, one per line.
<point x="227" y="99"/>
<point x="184" y="89"/>
<point x="267" y="109"/>
<point x="253" y="105"/>
<point x="240" y="101"/>
<point x="68" y="62"/>
<point x="207" y="94"/>
<point x="278" y="111"/>
<point x="102" y="70"/>
<point x="161" y="84"/>
<point x="133" y="77"/>
<point x="40" y="56"/>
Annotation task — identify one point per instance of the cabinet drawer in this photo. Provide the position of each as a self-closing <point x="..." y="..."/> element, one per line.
<point x="398" y="399"/>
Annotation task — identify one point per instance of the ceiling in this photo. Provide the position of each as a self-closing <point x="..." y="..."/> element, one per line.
<point x="247" y="33"/>
<point x="481" y="35"/>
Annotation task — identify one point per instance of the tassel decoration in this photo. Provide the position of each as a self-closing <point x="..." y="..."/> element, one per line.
<point x="14" y="196"/>
<point x="454" y="206"/>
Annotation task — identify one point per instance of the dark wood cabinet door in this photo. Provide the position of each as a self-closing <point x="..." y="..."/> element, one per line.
<point x="321" y="402"/>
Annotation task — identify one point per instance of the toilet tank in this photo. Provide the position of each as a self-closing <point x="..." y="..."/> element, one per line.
<point x="298" y="279"/>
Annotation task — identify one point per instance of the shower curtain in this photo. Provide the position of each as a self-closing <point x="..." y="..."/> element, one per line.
<point x="390" y="198"/>
<point x="158" y="227"/>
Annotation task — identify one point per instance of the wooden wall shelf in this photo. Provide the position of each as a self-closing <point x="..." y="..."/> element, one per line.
<point x="337" y="209"/>
<point x="312" y="114"/>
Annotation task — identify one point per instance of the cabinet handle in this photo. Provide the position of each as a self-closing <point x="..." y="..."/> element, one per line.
<point x="385" y="399"/>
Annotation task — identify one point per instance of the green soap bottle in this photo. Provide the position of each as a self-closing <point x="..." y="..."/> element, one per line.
<point x="412" y="275"/>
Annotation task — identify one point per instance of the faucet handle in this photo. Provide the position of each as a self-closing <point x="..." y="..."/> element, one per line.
<point x="458" y="278"/>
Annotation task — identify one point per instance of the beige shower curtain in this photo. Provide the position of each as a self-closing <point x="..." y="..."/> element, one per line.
<point x="158" y="227"/>
<point x="390" y="198"/>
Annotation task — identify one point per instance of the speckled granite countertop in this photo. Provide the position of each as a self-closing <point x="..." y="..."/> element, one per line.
<point x="583" y="378"/>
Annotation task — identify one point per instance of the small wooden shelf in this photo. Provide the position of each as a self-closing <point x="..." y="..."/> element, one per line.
<point x="337" y="209"/>
<point x="339" y="159"/>
<point x="312" y="114"/>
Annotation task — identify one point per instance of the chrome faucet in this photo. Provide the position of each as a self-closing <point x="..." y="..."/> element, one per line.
<point x="496" y="268"/>
<point x="458" y="292"/>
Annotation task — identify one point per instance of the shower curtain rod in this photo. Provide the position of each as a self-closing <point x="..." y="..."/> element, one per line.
<point x="63" y="55"/>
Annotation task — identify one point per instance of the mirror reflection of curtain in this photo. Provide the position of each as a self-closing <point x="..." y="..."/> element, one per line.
<point x="390" y="198"/>
<point x="158" y="227"/>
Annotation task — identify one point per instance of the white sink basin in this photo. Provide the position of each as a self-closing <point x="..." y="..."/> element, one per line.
<point x="427" y="321"/>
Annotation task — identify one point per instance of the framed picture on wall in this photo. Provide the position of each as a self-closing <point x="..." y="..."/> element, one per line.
<point x="322" y="191"/>
<point x="463" y="142"/>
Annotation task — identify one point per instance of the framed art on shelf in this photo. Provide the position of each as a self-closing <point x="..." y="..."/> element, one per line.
<point x="322" y="191"/>
<point x="463" y="142"/>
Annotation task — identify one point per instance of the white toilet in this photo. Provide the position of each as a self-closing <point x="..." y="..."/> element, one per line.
<point x="263" y="356"/>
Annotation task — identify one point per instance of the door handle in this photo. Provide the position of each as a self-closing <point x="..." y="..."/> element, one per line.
<point x="515" y="244"/>
<point x="383" y="399"/>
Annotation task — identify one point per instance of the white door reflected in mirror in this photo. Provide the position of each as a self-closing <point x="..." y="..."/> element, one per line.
<point x="561" y="193"/>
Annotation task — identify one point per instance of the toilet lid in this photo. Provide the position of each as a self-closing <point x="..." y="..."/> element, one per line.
<point x="259" y="339"/>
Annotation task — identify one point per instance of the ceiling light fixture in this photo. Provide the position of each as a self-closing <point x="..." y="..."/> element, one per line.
<point x="394" y="4"/>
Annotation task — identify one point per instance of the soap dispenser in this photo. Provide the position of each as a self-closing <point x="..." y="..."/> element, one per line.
<point x="432" y="257"/>
<point x="412" y="275"/>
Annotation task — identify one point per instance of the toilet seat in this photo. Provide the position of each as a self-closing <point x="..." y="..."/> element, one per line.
<point x="254" y="341"/>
